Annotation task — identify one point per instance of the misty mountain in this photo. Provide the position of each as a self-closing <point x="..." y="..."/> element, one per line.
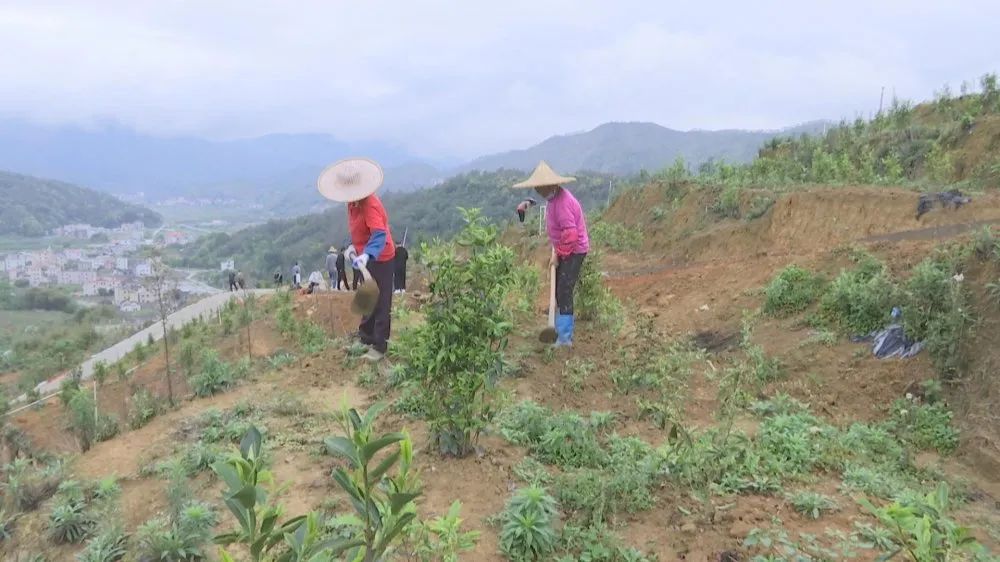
<point x="33" y="206"/>
<point x="627" y="148"/>
<point x="121" y="160"/>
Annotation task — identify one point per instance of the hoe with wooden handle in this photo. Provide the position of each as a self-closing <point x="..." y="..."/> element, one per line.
<point x="549" y="334"/>
<point x="366" y="297"/>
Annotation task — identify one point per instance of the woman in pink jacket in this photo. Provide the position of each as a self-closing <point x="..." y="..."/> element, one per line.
<point x="567" y="229"/>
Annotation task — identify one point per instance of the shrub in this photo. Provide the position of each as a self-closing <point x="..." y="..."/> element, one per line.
<point x="860" y="301"/>
<point x="214" y="375"/>
<point x="625" y="483"/>
<point x="728" y="203"/>
<point x="794" y="443"/>
<point x="878" y="481"/>
<point x="144" y="408"/>
<point x="923" y="530"/>
<point x="456" y="356"/>
<point x="936" y="312"/>
<point x="563" y="439"/>
<point x="792" y="290"/>
<point x="311" y="337"/>
<point x="615" y="236"/>
<point x="927" y="426"/>
<point x="593" y="300"/>
<point x="528" y="526"/>
<point x="82" y="419"/>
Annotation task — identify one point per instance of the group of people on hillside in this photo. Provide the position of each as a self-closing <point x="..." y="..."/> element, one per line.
<point x="336" y="270"/>
<point x="354" y="182"/>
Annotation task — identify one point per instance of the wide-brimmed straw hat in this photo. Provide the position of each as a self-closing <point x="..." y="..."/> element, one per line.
<point x="332" y="250"/>
<point x="349" y="180"/>
<point x="543" y="176"/>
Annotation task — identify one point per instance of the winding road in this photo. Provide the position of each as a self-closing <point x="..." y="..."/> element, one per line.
<point x="205" y="307"/>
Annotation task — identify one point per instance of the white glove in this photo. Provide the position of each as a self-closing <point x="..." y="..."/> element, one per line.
<point x="360" y="262"/>
<point x="351" y="254"/>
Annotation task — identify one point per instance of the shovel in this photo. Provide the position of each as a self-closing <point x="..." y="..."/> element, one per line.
<point x="366" y="297"/>
<point x="548" y="335"/>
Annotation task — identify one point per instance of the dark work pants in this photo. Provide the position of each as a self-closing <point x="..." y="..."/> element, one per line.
<point x="358" y="279"/>
<point x="375" y="328"/>
<point x="399" y="282"/>
<point x="342" y="278"/>
<point x="520" y="215"/>
<point x="567" y="274"/>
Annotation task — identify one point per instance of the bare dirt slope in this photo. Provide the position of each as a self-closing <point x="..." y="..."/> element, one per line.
<point x="695" y="278"/>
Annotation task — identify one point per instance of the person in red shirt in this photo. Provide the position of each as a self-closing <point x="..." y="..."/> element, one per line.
<point x="354" y="181"/>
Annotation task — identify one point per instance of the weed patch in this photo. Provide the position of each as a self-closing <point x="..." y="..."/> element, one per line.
<point x="859" y="301"/>
<point x="792" y="290"/>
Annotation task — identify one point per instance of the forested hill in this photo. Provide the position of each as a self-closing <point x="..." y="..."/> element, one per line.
<point x="427" y="213"/>
<point x="33" y="206"/>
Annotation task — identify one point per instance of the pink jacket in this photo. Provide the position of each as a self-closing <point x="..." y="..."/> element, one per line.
<point x="566" y="225"/>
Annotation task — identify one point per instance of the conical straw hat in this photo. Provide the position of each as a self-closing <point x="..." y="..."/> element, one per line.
<point x="543" y="176"/>
<point x="350" y="180"/>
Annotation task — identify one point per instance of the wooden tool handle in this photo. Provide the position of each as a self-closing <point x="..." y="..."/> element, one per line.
<point x="364" y="273"/>
<point x="552" y="291"/>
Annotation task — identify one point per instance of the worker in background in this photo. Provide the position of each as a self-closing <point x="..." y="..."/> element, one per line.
<point x="315" y="280"/>
<point x="354" y="181"/>
<point x="240" y="282"/>
<point x="331" y="266"/>
<point x="296" y="276"/>
<point x="342" y="270"/>
<point x="522" y="208"/>
<point x="567" y="229"/>
<point x="232" y="280"/>
<point x="399" y="282"/>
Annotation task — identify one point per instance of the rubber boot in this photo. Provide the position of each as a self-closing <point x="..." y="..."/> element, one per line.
<point x="564" y="330"/>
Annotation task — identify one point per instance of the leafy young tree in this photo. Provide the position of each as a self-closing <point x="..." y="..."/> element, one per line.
<point x="383" y="503"/>
<point x="455" y="358"/>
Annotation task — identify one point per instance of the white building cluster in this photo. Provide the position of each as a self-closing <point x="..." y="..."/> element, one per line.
<point x="103" y="269"/>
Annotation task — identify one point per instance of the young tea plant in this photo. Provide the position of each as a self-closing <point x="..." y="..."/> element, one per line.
<point x="456" y="356"/>
<point x="923" y="531"/>
<point x="244" y="474"/>
<point x="383" y="503"/>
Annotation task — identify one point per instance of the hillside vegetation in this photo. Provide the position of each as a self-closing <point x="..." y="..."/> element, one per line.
<point x="33" y="206"/>
<point x="427" y="214"/>
<point x="952" y="139"/>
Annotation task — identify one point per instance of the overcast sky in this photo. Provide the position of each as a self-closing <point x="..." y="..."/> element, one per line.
<point x="455" y="79"/>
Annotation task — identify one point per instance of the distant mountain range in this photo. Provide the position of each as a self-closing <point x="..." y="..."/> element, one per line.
<point x="279" y="171"/>
<point x="627" y="148"/>
<point x="33" y="206"/>
<point x="120" y="160"/>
